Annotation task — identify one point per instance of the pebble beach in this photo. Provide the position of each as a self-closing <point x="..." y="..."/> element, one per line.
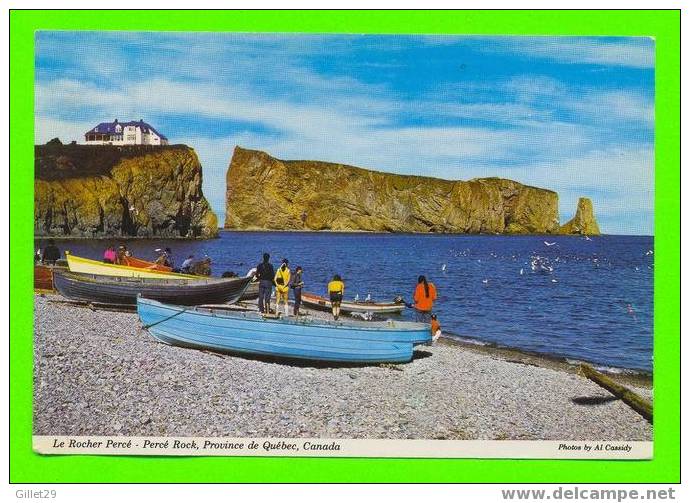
<point x="97" y="372"/>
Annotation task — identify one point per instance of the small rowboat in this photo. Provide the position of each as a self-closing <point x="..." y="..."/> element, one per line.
<point x="324" y="304"/>
<point x="308" y="339"/>
<point x="124" y="290"/>
<point x="43" y="276"/>
<point x="88" y="266"/>
<point x="145" y="264"/>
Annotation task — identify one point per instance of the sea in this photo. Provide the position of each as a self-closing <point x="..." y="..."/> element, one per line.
<point x="568" y="297"/>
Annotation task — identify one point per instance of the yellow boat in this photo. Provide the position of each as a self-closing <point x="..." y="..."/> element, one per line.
<point x="85" y="265"/>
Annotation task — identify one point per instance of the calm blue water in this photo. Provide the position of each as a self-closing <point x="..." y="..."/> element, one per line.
<point x="596" y="304"/>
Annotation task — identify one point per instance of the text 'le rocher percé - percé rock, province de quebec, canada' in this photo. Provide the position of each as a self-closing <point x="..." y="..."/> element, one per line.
<point x="265" y="193"/>
<point x="109" y="191"/>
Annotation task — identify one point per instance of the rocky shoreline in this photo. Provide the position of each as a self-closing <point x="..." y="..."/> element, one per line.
<point x="98" y="373"/>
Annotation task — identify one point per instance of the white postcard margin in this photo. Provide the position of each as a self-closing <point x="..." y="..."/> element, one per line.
<point x="312" y="447"/>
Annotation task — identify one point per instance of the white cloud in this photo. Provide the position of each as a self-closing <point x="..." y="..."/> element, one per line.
<point x="629" y="52"/>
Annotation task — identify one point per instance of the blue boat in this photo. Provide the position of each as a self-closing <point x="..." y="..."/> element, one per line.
<point x="302" y="338"/>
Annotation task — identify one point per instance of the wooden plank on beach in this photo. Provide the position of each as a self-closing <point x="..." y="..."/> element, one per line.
<point x="635" y="401"/>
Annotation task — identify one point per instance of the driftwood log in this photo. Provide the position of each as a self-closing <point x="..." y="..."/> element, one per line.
<point x="635" y="401"/>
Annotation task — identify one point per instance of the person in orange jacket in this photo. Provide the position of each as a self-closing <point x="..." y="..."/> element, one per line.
<point x="424" y="297"/>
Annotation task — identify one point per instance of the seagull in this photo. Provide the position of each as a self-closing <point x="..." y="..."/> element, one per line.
<point x="554" y="281"/>
<point x="587" y="238"/>
<point x="368" y="299"/>
<point x="357" y="298"/>
<point x="521" y="271"/>
<point x="549" y="244"/>
<point x="649" y="252"/>
<point x="443" y="268"/>
<point x="485" y="281"/>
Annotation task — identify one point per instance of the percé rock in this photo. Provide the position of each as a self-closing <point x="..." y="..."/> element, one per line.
<point x="267" y="193"/>
<point x="583" y="222"/>
<point x="110" y="191"/>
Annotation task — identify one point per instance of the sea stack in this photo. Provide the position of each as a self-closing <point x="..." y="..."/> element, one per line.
<point x="100" y="191"/>
<point x="265" y="193"/>
<point x="583" y="222"/>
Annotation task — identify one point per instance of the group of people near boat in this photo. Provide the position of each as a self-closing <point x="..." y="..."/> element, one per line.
<point x="164" y="259"/>
<point x="119" y="256"/>
<point x="284" y="280"/>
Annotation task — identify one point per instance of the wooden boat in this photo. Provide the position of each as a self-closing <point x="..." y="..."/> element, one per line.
<point x="302" y="338"/>
<point x="43" y="276"/>
<point x="145" y="264"/>
<point x="124" y="290"/>
<point x="324" y="304"/>
<point x="88" y="266"/>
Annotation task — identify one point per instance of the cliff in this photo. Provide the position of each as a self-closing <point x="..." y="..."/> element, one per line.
<point x="267" y="193"/>
<point x="109" y="191"/>
<point x="583" y="222"/>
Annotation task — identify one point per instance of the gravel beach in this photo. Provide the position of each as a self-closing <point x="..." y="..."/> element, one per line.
<point x="97" y="372"/>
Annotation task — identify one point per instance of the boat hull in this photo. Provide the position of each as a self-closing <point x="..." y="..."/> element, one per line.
<point x="43" y="276"/>
<point x="88" y="266"/>
<point x="121" y="290"/>
<point x="324" y="304"/>
<point x="249" y="333"/>
<point x="252" y="291"/>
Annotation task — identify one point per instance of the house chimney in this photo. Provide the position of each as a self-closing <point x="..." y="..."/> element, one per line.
<point x="115" y="121"/>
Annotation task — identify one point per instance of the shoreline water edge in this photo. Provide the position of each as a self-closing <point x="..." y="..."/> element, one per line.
<point x="590" y="301"/>
<point x="99" y="373"/>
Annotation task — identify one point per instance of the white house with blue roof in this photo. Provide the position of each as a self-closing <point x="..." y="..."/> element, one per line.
<point x="124" y="133"/>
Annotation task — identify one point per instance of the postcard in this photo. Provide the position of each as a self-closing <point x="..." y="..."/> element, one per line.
<point x="343" y="245"/>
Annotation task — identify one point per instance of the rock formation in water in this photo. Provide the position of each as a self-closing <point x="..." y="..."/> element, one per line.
<point x="110" y="191"/>
<point x="267" y="193"/>
<point x="583" y="222"/>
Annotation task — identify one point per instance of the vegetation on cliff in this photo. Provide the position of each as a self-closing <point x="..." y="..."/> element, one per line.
<point x="109" y="191"/>
<point x="267" y="193"/>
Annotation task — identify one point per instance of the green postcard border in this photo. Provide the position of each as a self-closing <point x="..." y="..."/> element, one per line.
<point x="664" y="26"/>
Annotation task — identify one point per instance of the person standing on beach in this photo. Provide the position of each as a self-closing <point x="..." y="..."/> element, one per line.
<point x="187" y="264"/>
<point x="435" y="328"/>
<point x="122" y="254"/>
<point x="336" y="290"/>
<point x="109" y="256"/>
<point x="169" y="261"/>
<point x="424" y="297"/>
<point x="51" y="253"/>
<point x="282" y="281"/>
<point x="162" y="259"/>
<point x="265" y="275"/>
<point x="296" y="284"/>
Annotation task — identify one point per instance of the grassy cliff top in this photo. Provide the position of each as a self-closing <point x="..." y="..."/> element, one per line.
<point x="54" y="161"/>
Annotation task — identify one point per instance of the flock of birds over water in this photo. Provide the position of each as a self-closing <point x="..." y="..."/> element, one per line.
<point x="543" y="265"/>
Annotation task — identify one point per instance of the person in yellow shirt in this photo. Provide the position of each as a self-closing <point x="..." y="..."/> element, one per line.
<point x="336" y="289"/>
<point x="282" y="282"/>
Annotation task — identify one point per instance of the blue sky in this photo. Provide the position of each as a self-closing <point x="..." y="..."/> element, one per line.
<point x="575" y="115"/>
